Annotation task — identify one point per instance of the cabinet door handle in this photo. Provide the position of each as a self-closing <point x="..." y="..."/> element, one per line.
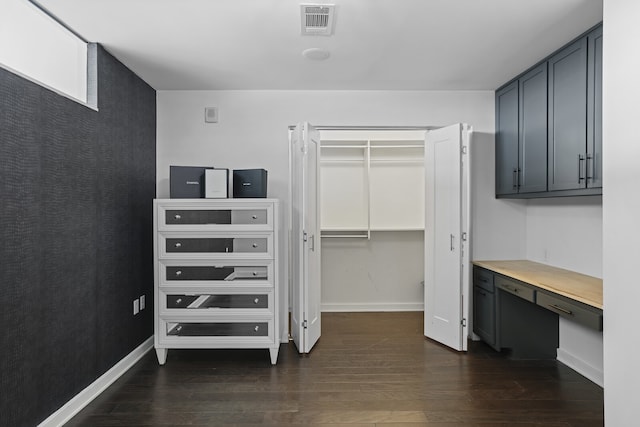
<point x="511" y="289"/>
<point x="515" y="178"/>
<point x="590" y="161"/>
<point x="580" y="168"/>
<point x="452" y="238"/>
<point x="562" y="309"/>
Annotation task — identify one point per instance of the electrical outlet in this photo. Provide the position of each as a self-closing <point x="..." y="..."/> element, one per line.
<point x="142" y="302"/>
<point x="136" y="306"/>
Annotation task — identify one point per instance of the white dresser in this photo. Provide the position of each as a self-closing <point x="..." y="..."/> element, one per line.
<point x="216" y="274"/>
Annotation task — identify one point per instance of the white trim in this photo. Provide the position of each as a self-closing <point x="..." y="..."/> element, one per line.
<point x="51" y="88"/>
<point x="385" y="306"/>
<point x="93" y="390"/>
<point x="580" y="366"/>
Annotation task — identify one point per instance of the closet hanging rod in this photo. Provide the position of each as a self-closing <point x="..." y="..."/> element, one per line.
<point x="398" y="146"/>
<point x="342" y="146"/>
<point x="318" y="127"/>
<point x="348" y="236"/>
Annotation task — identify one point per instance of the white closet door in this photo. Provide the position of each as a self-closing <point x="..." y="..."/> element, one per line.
<point x="446" y="219"/>
<point x="305" y="238"/>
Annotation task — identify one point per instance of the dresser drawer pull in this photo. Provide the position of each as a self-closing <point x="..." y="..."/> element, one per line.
<point x="178" y="216"/>
<point x="255" y="245"/>
<point x="257" y="300"/>
<point x="178" y="273"/>
<point x="254" y="216"/>
<point x="179" y="300"/>
<point x="256" y="328"/>
<point x="255" y="273"/>
<point x="562" y="309"/>
<point x="178" y="245"/>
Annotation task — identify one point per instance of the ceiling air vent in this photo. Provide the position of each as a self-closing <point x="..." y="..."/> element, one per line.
<point x="317" y="19"/>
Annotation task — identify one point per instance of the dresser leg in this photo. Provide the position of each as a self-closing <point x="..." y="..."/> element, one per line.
<point x="162" y="355"/>
<point x="273" y="352"/>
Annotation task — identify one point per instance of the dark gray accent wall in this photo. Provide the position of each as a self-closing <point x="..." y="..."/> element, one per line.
<point x="76" y="192"/>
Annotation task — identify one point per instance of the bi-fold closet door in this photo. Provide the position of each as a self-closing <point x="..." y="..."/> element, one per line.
<point x="446" y="215"/>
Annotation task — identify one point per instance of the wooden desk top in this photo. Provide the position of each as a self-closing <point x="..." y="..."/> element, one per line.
<point x="578" y="287"/>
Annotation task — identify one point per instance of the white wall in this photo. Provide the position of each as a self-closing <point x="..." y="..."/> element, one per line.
<point x="40" y="49"/>
<point x="253" y="133"/>
<point x="621" y="91"/>
<point x="567" y="233"/>
<point x="381" y="274"/>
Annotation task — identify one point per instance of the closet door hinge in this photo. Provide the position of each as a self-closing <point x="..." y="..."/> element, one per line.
<point x="463" y="322"/>
<point x="304" y="236"/>
<point x="464" y="236"/>
<point x="305" y="324"/>
<point x="464" y="149"/>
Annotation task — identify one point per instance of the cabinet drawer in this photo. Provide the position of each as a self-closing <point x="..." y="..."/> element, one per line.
<point x="483" y="278"/>
<point x="516" y="288"/>
<point x="203" y="301"/>
<point x="220" y="246"/>
<point x="215" y="216"/>
<point x="216" y="273"/>
<point x="211" y="215"/>
<point x="581" y="313"/>
<point x="217" y="329"/>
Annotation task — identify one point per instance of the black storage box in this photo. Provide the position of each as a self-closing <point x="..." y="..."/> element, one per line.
<point x="249" y="183"/>
<point x="186" y="182"/>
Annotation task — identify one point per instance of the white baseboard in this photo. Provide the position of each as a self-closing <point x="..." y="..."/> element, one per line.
<point x="340" y="307"/>
<point x="580" y="366"/>
<point x="82" y="399"/>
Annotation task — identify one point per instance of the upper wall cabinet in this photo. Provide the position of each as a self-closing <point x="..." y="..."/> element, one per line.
<point x="521" y="134"/>
<point x="549" y="119"/>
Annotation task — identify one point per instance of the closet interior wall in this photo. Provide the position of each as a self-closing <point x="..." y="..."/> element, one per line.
<point x="372" y="219"/>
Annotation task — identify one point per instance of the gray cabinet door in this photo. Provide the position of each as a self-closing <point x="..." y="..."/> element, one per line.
<point x="567" y="125"/>
<point x="484" y="315"/>
<point x="532" y="173"/>
<point x="507" y="139"/>
<point x="594" y="110"/>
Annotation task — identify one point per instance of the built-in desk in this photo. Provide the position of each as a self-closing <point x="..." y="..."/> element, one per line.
<point x="517" y="305"/>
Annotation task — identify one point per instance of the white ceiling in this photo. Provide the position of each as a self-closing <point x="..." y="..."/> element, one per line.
<point x="377" y="44"/>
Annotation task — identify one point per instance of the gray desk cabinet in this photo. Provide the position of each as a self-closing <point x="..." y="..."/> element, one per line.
<point x="484" y="306"/>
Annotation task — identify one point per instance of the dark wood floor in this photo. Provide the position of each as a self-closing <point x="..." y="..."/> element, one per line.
<point x="368" y="369"/>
